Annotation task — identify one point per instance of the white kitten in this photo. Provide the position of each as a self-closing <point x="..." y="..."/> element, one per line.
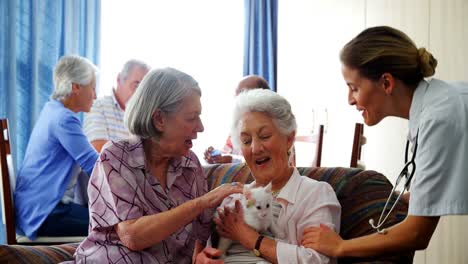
<point x="257" y="207"/>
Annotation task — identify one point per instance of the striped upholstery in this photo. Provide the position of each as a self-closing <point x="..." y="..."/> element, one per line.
<point x="362" y="195"/>
<point x="36" y="254"/>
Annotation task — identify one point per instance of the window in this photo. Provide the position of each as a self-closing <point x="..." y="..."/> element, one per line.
<point x="201" y="38"/>
<point x="310" y="36"/>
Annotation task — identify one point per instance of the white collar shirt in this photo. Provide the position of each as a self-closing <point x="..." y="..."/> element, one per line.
<point x="439" y="118"/>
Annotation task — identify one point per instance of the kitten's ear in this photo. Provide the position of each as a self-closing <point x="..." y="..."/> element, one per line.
<point x="247" y="194"/>
<point x="246" y="191"/>
<point x="268" y="187"/>
<point x="247" y="187"/>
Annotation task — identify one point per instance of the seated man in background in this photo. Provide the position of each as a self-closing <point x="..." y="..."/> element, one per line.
<point x="57" y="154"/>
<point x="225" y="155"/>
<point x="105" y="120"/>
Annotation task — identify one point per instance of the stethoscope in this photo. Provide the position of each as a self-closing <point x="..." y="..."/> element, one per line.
<point x="407" y="172"/>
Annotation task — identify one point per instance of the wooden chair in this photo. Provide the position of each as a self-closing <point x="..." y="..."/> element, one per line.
<point x="316" y="139"/>
<point x="8" y="181"/>
<point x="358" y="141"/>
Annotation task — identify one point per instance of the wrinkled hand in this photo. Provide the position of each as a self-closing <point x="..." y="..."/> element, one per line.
<point x="322" y="239"/>
<point x="223" y="159"/>
<point x="206" y="255"/>
<point x="212" y="159"/>
<point x="230" y="224"/>
<point x="207" y="155"/>
<point x="217" y="195"/>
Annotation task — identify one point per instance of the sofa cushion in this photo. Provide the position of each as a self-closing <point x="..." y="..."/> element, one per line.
<point x="218" y="174"/>
<point x="37" y="254"/>
<point x="362" y="195"/>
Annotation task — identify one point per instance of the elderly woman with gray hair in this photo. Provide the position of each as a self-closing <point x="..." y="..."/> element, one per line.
<point x="148" y="195"/>
<point x="57" y="153"/>
<point x="264" y="128"/>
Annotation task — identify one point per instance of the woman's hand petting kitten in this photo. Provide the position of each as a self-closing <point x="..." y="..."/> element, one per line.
<point x="231" y="225"/>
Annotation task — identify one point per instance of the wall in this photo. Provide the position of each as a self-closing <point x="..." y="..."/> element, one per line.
<point x="309" y="66"/>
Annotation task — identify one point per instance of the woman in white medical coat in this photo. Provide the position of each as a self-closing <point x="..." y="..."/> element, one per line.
<point x="385" y="73"/>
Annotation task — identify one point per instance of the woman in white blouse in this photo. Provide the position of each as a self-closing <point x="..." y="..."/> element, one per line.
<point x="264" y="129"/>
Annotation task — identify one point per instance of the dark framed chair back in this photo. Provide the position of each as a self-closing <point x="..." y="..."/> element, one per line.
<point x="358" y="141"/>
<point x="7" y="192"/>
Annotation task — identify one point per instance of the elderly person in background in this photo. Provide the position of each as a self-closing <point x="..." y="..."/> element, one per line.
<point x="57" y="152"/>
<point x="228" y="153"/>
<point x="105" y="120"/>
<point x="148" y="195"/>
<point x="264" y="127"/>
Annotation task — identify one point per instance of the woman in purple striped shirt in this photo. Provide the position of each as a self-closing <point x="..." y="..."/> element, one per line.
<point x="148" y="196"/>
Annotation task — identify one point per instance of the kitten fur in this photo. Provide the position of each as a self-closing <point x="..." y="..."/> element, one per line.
<point x="258" y="214"/>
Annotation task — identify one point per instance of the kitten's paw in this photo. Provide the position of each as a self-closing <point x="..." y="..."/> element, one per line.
<point x="280" y="234"/>
<point x="277" y="231"/>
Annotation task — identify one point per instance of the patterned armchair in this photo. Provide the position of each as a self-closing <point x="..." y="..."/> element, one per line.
<point x="362" y="194"/>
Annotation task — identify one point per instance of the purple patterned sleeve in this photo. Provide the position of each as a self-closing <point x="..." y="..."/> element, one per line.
<point x="121" y="188"/>
<point x="114" y="190"/>
<point x="203" y="222"/>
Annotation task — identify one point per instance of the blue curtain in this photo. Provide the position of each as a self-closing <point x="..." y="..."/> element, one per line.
<point x="35" y="34"/>
<point x="260" y="41"/>
<point x="38" y="33"/>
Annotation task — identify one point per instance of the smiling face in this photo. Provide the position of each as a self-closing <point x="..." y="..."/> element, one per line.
<point x="368" y="96"/>
<point x="265" y="148"/>
<point x="180" y="128"/>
